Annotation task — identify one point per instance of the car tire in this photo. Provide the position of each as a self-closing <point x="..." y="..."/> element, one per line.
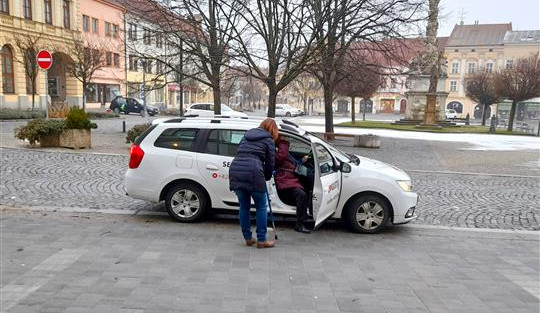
<point x="367" y="214"/>
<point x="186" y="202"/>
<point x="151" y="113"/>
<point x="288" y="114"/>
<point x="116" y="110"/>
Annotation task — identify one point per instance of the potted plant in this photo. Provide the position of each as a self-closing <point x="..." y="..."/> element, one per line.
<point x="76" y="133"/>
<point x="46" y="132"/>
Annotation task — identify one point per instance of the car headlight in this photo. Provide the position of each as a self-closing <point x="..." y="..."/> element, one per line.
<point x="405" y="185"/>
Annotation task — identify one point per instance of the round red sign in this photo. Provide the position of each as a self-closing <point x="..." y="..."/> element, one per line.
<point x="44" y="59"/>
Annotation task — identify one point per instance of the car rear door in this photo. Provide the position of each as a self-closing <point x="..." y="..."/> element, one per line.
<point x="215" y="160"/>
<point x="327" y="184"/>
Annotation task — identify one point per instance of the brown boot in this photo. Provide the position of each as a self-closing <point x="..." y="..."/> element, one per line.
<point x="266" y="244"/>
<point x="250" y="242"/>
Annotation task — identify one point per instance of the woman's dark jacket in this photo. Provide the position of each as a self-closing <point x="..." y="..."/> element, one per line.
<point x="254" y="161"/>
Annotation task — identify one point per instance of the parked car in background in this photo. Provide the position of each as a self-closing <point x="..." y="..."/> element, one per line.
<point x="207" y="109"/>
<point x="185" y="162"/>
<point x="450" y="113"/>
<point x="287" y="110"/>
<point x="130" y="105"/>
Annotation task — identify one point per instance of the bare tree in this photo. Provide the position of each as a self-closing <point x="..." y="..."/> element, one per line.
<point x="519" y="83"/>
<point x="275" y="42"/>
<point x="339" y="23"/>
<point x="480" y="87"/>
<point x="304" y="86"/>
<point x="358" y="81"/>
<point x="88" y="58"/>
<point x="29" y="47"/>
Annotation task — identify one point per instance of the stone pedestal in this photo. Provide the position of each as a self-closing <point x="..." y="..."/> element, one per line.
<point x="417" y="98"/>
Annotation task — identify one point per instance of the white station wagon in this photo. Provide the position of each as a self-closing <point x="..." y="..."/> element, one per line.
<point x="185" y="162"/>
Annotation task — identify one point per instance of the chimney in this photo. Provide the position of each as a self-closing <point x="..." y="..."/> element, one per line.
<point x="476" y="22"/>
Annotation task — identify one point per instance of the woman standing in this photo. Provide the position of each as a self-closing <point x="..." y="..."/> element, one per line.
<point x="249" y="171"/>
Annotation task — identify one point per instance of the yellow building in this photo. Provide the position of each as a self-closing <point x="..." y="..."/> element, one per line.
<point x="487" y="47"/>
<point x="54" y="23"/>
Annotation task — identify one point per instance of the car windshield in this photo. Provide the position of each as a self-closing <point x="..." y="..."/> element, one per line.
<point x="340" y="155"/>
<point x="225" y="108"/>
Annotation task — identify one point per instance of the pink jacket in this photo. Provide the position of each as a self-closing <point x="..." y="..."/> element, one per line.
<point x="284" y="176"/>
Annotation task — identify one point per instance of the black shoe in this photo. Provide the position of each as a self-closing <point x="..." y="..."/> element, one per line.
<point x="302" y="229"/>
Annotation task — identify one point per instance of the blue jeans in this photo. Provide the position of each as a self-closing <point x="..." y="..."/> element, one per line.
<point x="261" y="203"/>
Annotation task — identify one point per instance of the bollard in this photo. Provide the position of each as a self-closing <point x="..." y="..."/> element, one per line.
<point x="467" y="119"/>
<point x="492" y="124"/>
<point x="123" y="126"/>
<point x="538" y="130"/>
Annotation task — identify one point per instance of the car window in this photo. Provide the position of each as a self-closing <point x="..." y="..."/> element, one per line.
<point x="195" y="107"/>
<point x="177" y="139"/>
<point x="324" y="159"/>
<point x="279" y="107"/>
<point x="121" y="100"/>
<point x="224" y="142"/>
<point x="209" y="107"/>
<point x="297" y="146"/>
<point x="225" y="108"/>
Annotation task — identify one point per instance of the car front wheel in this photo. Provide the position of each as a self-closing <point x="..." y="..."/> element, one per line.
<point x="186" y="202"/>
<point x="367" y="214"/>
<point x="288" y="114"/>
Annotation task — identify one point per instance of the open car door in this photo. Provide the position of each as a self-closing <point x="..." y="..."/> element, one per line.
<point x="327" y="184"/>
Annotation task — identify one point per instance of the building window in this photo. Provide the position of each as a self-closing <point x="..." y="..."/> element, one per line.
<point x="86" y="23"/>
<point x="456" y="50"/>
<point x="27" y="9"/>
<point x="472" y="68"/>
<point x="116" y="60"/>
<point x="159" y="67"/>
<point x="148" y="67"/>
<point x="48" y="11"/>
<point x="108" y="58"/>
<point x="132" y="32"/>
<point x="147" y="39"/>
<point x="489" y="67"/>
<point x="115" y="31"/>
<point x="4" y="6"/>
<point x="453" y="86"/>
<point x="67" y="15"/>
<point x="133" y="63"/>
<point x="490" y="50"/>
<point x="509" y="64"/>
<point x="455" y="68"/>
<point x="95" y="25"/>
<point x="8" y="80"/>
<point x="107" y="29"/>
<point x="52" y="86"/>
<point x="159" y="41"/>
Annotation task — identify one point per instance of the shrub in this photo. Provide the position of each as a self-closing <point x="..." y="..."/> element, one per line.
<point x="97" y="114"/>
<point x="135" y="131"/>
<point x="78" y="119"/>
<point x="38" y="128"/>
<point x="10" y="114"/>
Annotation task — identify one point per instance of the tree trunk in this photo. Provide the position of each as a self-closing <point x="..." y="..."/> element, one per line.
<point x="216" y="91"/>
<point x="305" y="103"/>
<point x="33" y="93"/>
<point x="272" y="99"/>
<point x="511" y="115"/>
<point x="484" y="110"/>
<point x="328" y="113"/>
<point x="84" y="96"/>
<point x="353" y="112"/>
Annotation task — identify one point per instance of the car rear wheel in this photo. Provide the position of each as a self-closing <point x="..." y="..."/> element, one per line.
<point x="186" y="202"/>
<point x="367" y="214"/>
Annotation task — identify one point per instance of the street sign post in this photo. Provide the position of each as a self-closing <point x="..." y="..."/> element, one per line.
<point x="44" y="60"/>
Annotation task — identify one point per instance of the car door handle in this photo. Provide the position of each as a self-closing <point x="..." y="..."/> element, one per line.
<point x="211" y="167"/>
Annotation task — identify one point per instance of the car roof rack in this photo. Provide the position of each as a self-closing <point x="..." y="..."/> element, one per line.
<point x="175" y="120"/>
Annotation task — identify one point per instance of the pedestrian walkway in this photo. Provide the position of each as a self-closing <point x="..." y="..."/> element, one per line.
<point x="65" y="262"/>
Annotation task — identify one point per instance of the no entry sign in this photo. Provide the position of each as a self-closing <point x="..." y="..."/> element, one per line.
<point x="44" y="59"/>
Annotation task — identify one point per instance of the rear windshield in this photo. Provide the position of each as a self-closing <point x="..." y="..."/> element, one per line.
<point x="141" y="137"/>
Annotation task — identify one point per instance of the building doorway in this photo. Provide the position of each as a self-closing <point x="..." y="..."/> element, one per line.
<point x="402" y="106"/>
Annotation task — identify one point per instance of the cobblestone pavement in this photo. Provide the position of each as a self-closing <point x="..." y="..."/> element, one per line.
<point x="74" y="263"/>
<point x="95" y="182"/>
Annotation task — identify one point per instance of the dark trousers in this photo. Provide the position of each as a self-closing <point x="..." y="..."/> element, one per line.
<point x="299" y="197"/>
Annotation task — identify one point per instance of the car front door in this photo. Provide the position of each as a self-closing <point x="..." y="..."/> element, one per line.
<point x="215" y="160"/>
<point x="327" y="184"/>
<point x="133" y="105"/>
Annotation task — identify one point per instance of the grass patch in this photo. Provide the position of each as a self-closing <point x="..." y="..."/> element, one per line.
<point x="474" y="129"/>
<point x="14" y="114"/>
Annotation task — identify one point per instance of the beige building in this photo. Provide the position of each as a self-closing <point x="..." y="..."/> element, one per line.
<point x="54" y="23"/>
<point x="488" y="47"/>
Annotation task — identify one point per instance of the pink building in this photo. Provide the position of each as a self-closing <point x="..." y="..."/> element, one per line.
<point x="102" y="28"/>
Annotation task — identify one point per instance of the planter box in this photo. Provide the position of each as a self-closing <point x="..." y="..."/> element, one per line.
<point x="367" y="141"/>
<point x="76" y="138"/>
<point x="49" y="141"/>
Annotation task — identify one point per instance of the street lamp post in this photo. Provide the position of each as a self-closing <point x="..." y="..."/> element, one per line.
<point x="143" y="89"/>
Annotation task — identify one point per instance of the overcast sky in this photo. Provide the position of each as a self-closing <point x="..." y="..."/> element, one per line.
<point x="524" y="14"/>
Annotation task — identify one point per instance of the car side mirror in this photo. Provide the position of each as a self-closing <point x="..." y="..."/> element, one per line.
<point x="345" y="167"/>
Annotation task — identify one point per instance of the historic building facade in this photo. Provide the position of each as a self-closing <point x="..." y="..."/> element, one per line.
<point x="103" y="28"/>
<point x="50" y="25"/>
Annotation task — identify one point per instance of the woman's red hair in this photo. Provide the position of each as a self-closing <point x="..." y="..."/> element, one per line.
<point x="270" y="126"/>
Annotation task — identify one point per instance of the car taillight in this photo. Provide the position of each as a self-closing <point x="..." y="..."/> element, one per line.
<point x="136" y="155"/>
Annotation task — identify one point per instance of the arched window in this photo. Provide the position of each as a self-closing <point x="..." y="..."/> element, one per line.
<point x="455" y="105"/>
<point x="8" y="81"/>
